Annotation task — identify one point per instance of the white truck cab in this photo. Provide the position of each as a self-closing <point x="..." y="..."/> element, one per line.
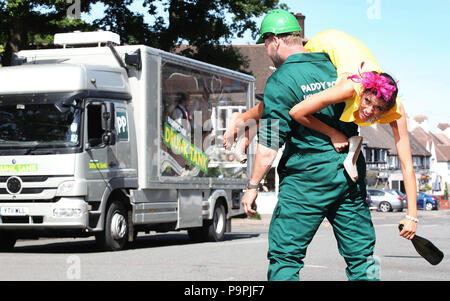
<point x="113" y="140"/>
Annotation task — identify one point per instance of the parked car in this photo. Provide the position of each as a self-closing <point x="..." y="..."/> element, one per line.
<point x="403" y="196"/>
<point x="431" y="202"/>
<point x="385" y="200"/>
<point x="369" y="202"/>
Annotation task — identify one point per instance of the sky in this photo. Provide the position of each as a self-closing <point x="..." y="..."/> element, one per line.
<point x="410" y="39"/>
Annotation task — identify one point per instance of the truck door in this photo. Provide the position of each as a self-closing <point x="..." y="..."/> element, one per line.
<point x="101" y="156"/>
<point x="124" y="151"/>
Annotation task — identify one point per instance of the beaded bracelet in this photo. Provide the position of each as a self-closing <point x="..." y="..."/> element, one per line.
<point x="412" y="218"/>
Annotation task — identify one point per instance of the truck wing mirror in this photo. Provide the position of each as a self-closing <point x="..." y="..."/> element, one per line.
<point x="109" y="138"/>
<point x="108" y="120"/>
<point x="134" y="59"/>
<point x="108" y="116"/>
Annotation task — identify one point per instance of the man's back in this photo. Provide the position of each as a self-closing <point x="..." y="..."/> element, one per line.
<point x="301" y="76"/>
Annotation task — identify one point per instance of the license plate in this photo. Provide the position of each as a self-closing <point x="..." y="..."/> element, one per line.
<point x="14" y="211"/>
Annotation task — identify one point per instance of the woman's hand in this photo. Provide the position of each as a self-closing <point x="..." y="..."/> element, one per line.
<point x="339" y="141"/>
<point x="409" y="228"/>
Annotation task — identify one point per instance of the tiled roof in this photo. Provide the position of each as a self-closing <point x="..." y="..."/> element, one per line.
<point x="443" y="153"/>
<point x="260" y="65"/>
<point x="376" y="137"/>
<point x="381" y="136"/>
<point x="440" y="140"/>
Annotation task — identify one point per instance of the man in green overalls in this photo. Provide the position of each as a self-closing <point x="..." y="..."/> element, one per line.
<point x="313" y="183"/>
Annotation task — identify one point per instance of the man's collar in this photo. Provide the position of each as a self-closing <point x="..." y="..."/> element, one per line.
<point x="307" y="57"/>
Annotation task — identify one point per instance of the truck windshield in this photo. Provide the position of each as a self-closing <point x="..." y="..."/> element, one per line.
<point x="33" y="126"/>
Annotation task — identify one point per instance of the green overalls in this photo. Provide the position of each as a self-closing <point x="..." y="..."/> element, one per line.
<point x="313" y="182"/>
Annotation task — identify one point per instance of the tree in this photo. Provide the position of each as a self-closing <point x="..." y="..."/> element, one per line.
<point x="203" y="24"/>
<point x="24" y="24"/>
<point x="207" y="25"/>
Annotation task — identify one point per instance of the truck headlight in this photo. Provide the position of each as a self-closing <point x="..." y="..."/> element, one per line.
<point x="65" y="188"/>
<point x="67" y="212"/>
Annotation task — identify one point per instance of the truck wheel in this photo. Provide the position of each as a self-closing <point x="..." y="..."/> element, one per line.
<point x="7" y="241"/>
<point x="212" y="230"/>
<point x="115" y="235"/>
<point x="216" y="227"/>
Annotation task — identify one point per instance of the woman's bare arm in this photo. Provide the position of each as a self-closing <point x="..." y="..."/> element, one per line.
<point x="401" y="137"/>
<point x="302" y="112"/>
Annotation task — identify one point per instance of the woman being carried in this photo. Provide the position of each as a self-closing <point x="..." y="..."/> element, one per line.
<point x="370" y="96"/>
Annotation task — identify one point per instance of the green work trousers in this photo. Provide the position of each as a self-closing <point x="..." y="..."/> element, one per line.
<point x="316" y="187"/>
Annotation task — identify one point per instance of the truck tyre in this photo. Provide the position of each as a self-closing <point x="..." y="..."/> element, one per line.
<point x="217" y="226"/>
<point x="7" y="241"/>
<point x="114" y="237"/>
<point x="212" y="230"/>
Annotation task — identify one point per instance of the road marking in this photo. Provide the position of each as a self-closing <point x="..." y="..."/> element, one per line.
<point x="316" y="266"/>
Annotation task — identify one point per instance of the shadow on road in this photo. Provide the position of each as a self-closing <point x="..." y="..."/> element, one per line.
<point x="88" y="245"/>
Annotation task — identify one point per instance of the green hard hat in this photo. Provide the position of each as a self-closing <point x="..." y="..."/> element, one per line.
<point x="278" y="21"/>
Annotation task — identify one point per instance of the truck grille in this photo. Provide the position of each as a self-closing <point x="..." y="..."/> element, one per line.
<point x="24" y="190"/>
<point x="18" y="184"/>
<point x="26" y="178"/>
<point x="54" y="200"/>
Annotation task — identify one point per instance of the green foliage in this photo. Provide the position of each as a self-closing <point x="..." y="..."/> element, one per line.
<point x="426" y="188"/>
<point x="26" y="24"/>
<point x="203" y="24"/>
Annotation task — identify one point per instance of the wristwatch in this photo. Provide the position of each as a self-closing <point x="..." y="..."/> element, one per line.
<point x="252" y="186"/>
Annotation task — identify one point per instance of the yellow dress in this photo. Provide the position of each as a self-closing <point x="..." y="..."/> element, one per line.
<point x="347" y="53"/>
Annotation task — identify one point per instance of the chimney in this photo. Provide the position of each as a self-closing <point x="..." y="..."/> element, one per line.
<point x="301" y="20"/>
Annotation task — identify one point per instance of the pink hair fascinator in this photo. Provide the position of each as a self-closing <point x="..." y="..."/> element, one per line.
<point x="375" y="82"/>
